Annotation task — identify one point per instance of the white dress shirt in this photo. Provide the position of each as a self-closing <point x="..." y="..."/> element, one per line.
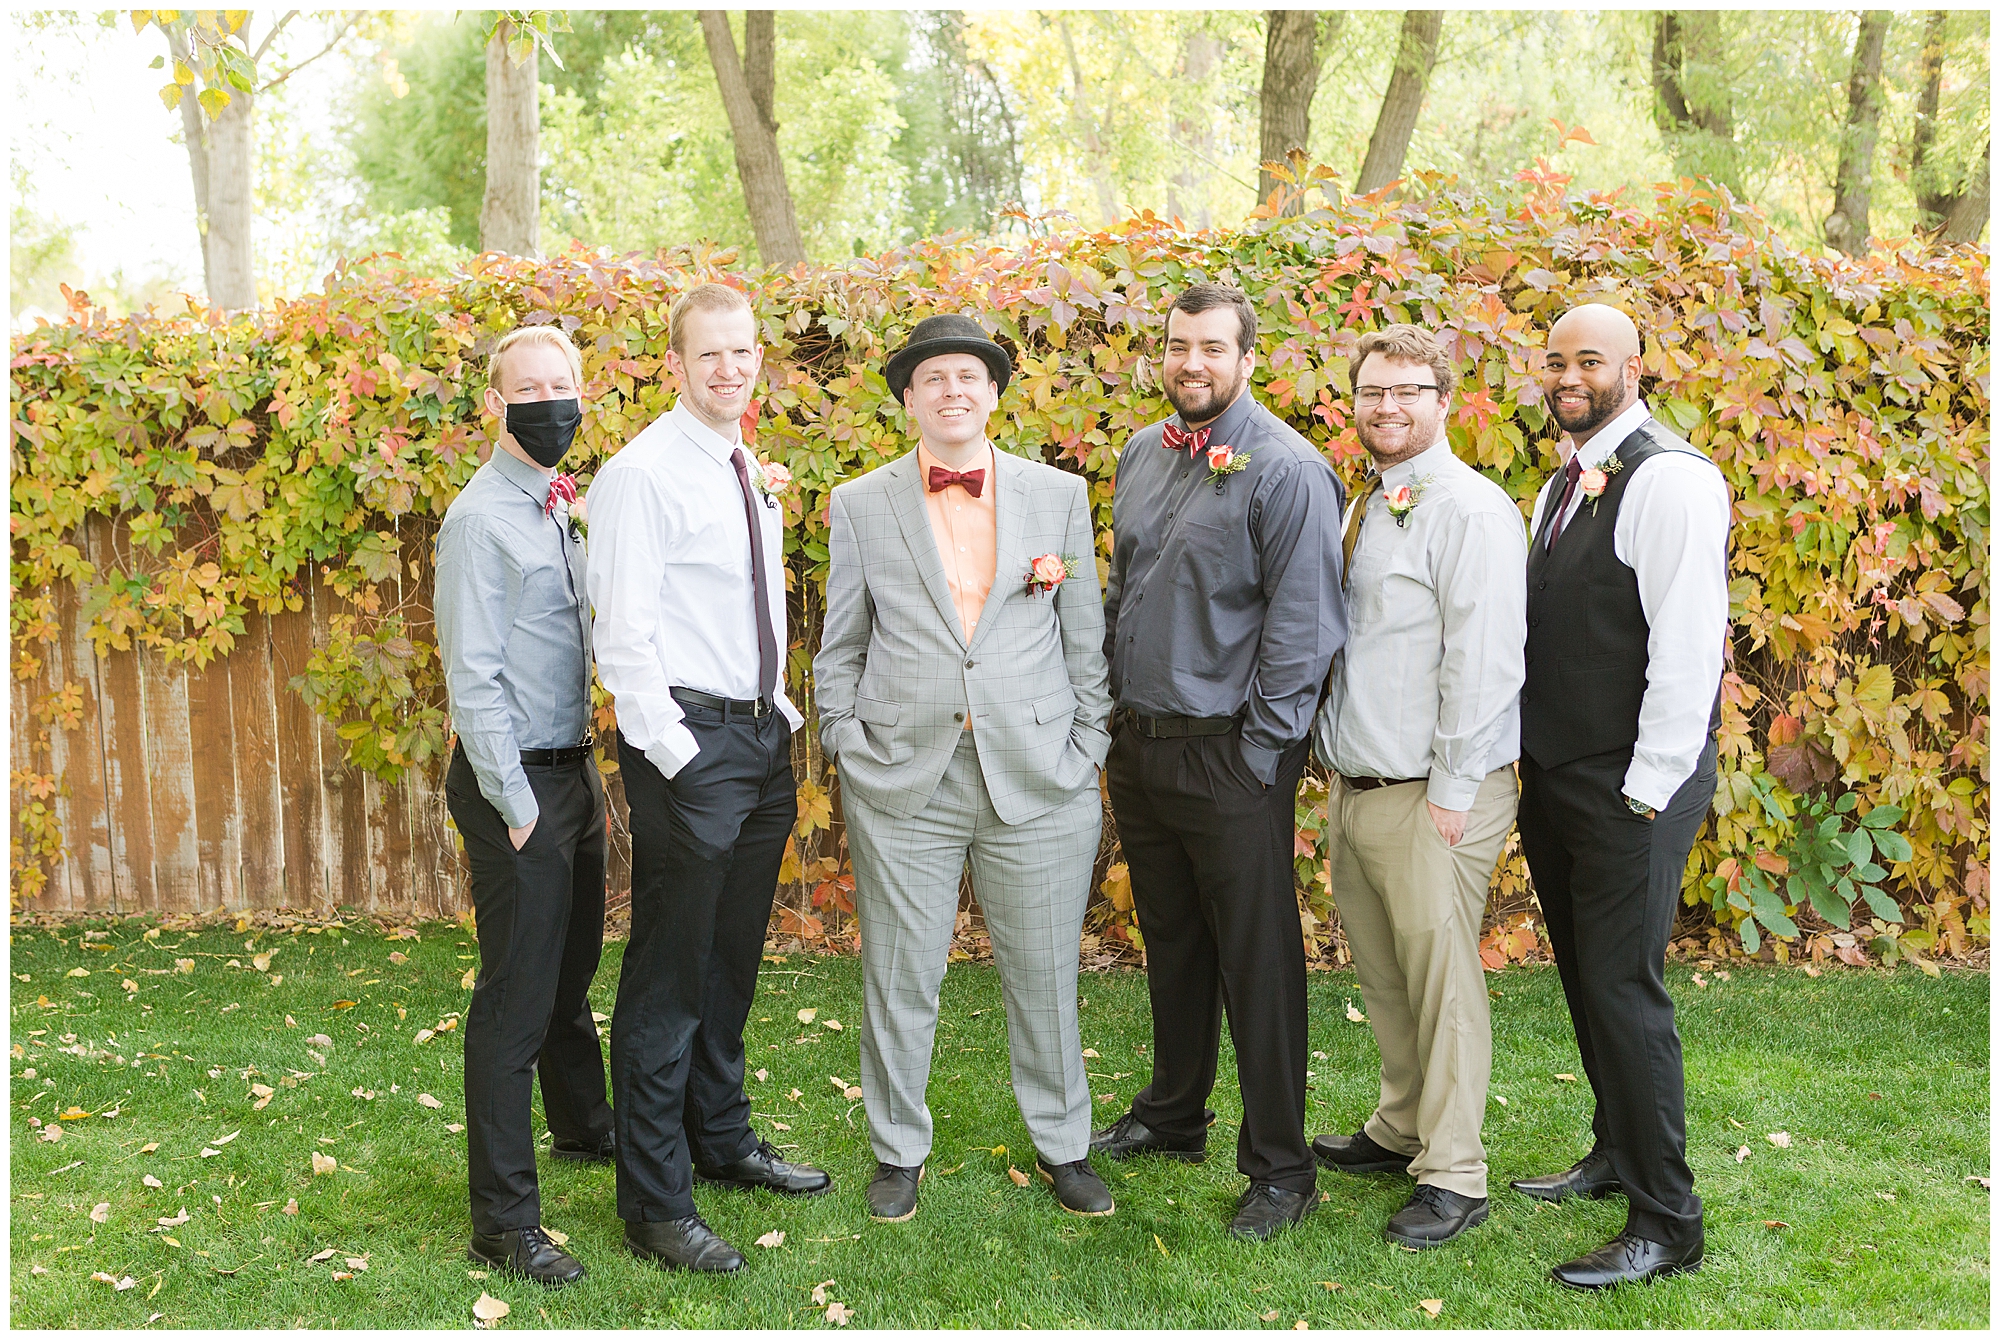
<point x="670" y="582"/>
<point x="1429" y="683"/>
<point x="1673" y="532"/>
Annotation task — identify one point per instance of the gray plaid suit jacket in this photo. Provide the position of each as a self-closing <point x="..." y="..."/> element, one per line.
<point x="894" y="676"/>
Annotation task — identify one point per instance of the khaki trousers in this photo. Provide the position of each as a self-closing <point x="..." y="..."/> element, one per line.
<point x="1411" y="907"/>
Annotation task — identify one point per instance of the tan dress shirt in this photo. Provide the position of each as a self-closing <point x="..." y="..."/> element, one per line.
<point x="966" y="531"/>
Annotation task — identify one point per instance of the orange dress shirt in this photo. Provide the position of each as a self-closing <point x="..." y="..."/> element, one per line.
<point x="966" y="531"/>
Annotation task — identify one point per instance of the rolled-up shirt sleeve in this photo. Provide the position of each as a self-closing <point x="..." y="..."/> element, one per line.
<point x="478" y="591"/>
<point x="1297" y="529"/>
<point x="628" y="518"/>
<point x="1483" y="609"/>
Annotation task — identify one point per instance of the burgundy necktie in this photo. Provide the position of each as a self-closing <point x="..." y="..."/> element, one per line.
<point x="767" y="640"/>
<point x="972" y="481"/>
<point x="1571" y="473"/>
<point x="1173" y="438"/>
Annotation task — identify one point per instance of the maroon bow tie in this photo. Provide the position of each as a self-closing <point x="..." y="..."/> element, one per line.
<point x="562" y="487"/>
<point x="1174" y="438"/>
<point x="971" y="480"/>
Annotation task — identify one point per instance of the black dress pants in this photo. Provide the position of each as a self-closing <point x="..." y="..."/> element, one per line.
<point x="1610" y="883"/>
<point x="541" y="929"/>
<point x="1209" y="848"/>
<point x="706" y="846"/>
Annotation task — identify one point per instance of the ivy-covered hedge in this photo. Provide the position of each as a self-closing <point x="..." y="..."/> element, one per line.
<point x="1846" y="402"/>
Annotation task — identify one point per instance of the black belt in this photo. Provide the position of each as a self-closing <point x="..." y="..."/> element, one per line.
<point x="756" y="707"/>
<point x="1377" y="783"/>
<point x="1174" y="728"/>
<point x="555" y="758"/>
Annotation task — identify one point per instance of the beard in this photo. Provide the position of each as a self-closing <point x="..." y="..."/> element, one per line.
<point x="1424" y="433"/>
<point x="1600" y="407"/>
<point x="1200" y="406"/>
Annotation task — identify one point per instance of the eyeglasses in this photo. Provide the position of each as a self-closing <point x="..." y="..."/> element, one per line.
<point x="1409" y="393"/>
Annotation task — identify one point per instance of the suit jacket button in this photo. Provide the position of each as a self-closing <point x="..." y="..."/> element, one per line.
<point x="958" y="716"/>
<point x="970" y="664"/>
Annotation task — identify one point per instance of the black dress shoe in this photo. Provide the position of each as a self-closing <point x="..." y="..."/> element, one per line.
<point x="1434" y="1216"/>
<point x="1626" y="1259"/>
<point x="684" y="1244"/>
<point x="1264" y="1209"/>
<point x="1128" y="1136"/>
<point x="529" y="1253"/>
<point x="1589" y="1176"/>
<point x="762" y="1167"/>
<point x="1078" y="1187"/>
<point x="892" y="1193"/>
<point x="1357" y="1153"/>
<point x="599" y="1151"/>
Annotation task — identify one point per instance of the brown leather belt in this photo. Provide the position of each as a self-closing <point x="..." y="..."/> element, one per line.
<point x="1175" y="728"/>
<point x="1377" y="783"/>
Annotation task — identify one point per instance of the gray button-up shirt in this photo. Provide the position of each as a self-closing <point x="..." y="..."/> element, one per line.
<point x="1226" y="600"/>
<point x="1429" y="683"/>
<point x="513" y="628"/>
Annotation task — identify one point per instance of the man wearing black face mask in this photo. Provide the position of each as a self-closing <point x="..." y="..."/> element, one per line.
<point x="514" y="637"/>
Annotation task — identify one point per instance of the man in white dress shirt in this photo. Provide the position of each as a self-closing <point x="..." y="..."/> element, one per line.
<point x="687" y="581"/>
<point x="1628" y="615"/>
<point x="1421" y="728"/>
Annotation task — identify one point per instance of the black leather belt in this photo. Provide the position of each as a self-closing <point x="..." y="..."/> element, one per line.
<point x="555" y="758"/>
<point x="757" y="707"/>
<point x="1175" y="728"/>
<point x="1377" y="783"/>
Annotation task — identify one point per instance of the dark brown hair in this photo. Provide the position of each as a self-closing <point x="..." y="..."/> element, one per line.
<point x="1208" y="295"/>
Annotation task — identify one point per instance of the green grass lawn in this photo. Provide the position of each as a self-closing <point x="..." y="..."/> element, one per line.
<point x="1880" y="1080"/>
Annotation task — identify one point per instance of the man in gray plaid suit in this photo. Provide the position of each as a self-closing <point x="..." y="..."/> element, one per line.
<point x="962" y="693"/>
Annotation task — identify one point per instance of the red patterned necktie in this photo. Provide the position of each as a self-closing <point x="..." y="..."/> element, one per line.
<point x="972" y="481"/>
<point x="561" y="488"/>
<point x="1173" y="438"/>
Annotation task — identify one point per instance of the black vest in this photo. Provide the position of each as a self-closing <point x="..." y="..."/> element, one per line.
<point x="1587" y="631"/>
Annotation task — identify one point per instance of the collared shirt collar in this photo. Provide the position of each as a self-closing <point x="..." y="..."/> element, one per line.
<point x="1612" y="436"/>
<point x="528" y="478"/>
<point x="1424" y="462"/>
<point x="701" y="434"/>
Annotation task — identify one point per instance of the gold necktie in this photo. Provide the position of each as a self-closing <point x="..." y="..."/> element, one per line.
<point x="1352" y="537"/>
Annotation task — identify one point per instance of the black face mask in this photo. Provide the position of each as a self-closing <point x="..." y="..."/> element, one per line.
<point x="544" y="428"/>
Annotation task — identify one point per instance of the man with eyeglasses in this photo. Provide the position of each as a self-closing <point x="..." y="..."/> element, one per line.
<point x="1421" y="727"/>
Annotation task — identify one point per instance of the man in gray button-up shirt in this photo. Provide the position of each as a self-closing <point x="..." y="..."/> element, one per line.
<point x="1222" y="615"/>
<point x="514" y="638"/>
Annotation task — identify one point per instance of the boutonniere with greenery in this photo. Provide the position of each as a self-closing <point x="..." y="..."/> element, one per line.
<point x="771" y="480"/>
<point x="1224" y="461"/>
<point x="1403" y="499"/>
<point x="1049" y="571"/>
<point x="1594" y="482"/>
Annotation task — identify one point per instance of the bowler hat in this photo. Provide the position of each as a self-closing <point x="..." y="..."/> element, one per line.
<point x="947" y="333"/>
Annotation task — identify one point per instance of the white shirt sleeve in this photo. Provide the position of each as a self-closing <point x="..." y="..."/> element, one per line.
<point x="1673" y="532"/>
<point x="629" y="519"/>
<point x="1483" y="614"/>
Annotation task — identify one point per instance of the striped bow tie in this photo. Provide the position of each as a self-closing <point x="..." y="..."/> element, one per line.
<point x="1174" y="438"/>
<point x="561" y="488"/>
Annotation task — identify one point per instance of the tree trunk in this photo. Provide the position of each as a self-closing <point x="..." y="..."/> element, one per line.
<point x="1967" y="217"/>
<point x="1095" y="147"/>
<point x="1291" y="77"/>
<point x="1691" y="98"/>
<point x="510" y="217"/>
<point x="1847" y="225"/>
<point x="1187" y="193"/>
<point x="196" y="132"/>
<point x="227" y="252"/>
<point x="748" y="86"/>
<point x="1416" y="52"/>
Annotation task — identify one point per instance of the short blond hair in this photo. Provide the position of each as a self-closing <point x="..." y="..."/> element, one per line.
<point x="1406" y="344"/>
<point x="710" y="297"/>
<point x="551" y="335"/>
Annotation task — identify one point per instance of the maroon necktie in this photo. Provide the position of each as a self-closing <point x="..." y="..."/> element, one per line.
<point x="1173" y="438"/>
<point x="1571" y="473"/>
<point x="767" y="640"/>
<point x="972" y="481"/>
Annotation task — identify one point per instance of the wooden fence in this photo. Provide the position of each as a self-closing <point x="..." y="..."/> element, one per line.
<point x="197" y="788"/>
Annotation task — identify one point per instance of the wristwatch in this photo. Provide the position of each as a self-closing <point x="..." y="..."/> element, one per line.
<point x="1639" y="807"/>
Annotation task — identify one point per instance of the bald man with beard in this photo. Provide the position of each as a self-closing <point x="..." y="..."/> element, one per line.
<point x="1628" y="616"/>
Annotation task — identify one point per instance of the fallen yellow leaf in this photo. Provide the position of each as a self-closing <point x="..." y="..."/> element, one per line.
<point x="323" y="1163"/>
<point x="833" y="1024"/>
<point x="1567" y="1079"/>
<point x="100" y="1212"/>
<point x="1431" y="1305"/>
<point x="472" y="973"/>
<point x="775" y="1238"/>
<point x="1354" y="1015"/>
<point x="1161" y="1245"/>
<point x="488" y="1309"/>
<point x="1018" y="1177"/>
<point x="425" y="1100"/>
<point x="839" y="1313"/>
<point x="1782" y="1139"/>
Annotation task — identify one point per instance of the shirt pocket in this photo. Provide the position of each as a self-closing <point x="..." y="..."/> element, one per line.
<point x="1208" y="562"/>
